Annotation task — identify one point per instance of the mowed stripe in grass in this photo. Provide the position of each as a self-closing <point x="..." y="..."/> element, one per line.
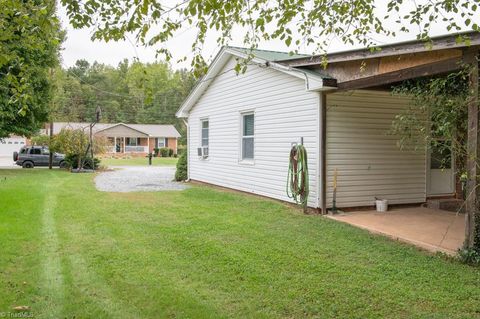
<point x="203" y="253"/>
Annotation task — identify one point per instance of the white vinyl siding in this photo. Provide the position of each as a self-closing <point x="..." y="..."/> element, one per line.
<point x="368" y="160"/>
<point x="284" y="112"/>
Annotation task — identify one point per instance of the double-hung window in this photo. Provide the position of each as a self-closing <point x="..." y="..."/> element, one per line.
<point x="204" y="137"/>
<point x="204" y="133"/>
<point x="248" y="139"/>
<point x="132" y="141"/>
<point x="162" y="142"/>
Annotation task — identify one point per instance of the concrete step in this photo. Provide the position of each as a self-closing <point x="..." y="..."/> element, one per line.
<point x="449" y="204"/>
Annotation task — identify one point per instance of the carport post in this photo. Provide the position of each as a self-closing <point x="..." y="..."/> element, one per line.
<point x="473" y="151"/>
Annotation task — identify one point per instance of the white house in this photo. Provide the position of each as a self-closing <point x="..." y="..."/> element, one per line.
<point x="246" y="123"/>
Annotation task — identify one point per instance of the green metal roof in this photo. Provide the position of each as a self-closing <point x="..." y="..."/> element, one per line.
<point x="269" y="55"/>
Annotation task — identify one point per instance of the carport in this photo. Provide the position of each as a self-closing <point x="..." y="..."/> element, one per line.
<point x="362" y="178"/>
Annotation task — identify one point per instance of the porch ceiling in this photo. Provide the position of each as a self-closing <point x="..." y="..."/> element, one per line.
<point x="431" y="229"/>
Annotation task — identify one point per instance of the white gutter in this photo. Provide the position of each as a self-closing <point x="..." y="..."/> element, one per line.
<point x="188" y="148"/>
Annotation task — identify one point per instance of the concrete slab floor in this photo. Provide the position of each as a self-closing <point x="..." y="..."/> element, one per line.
<point x="431" y="229"/>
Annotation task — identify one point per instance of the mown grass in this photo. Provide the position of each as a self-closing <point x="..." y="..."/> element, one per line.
<point x="68" y="250"/>
<point x="139" y="161"/>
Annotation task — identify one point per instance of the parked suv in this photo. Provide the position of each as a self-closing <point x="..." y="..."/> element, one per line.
<point x="31" y="156"/>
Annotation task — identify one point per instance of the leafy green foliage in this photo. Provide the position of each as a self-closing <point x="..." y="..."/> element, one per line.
<point x="30" y="38"/>
<point x="166" y="152"/>
<point x="439" y="110"/>
<point x="129" y="93"/>
<point x="73" y="161"/>
<point x="469" y="256"/>
<point x="182" y="168"/>
<point x="297" y="23"/>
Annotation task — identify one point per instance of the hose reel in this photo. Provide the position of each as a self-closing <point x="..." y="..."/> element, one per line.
<point x="297" y="177"/>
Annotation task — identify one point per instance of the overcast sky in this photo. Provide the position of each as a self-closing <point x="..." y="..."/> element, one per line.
<point x="79" y="45"/>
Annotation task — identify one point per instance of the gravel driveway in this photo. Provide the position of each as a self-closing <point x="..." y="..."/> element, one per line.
<point x="138" y="179"/>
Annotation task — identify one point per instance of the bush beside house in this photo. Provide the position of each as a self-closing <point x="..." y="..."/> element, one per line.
<point x="182" y="168"/>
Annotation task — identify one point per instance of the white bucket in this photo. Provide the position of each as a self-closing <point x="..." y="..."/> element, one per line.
<point x="382" y="205"/>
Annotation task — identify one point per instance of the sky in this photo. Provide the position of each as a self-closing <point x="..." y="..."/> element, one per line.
<point x="79" y="45"/>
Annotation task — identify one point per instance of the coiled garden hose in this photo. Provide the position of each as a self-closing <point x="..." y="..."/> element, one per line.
<point x="297" y="178"/>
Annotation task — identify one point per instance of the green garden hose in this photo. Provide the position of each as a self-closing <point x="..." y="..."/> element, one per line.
<point x="297" y="178"/>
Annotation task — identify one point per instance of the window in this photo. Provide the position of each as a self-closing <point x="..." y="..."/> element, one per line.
<point x="162" y="142"/>
<point x="204" y="133"/>
<point x="441" y="155"/>
<point x="36" y="151"/>
<point x="248" y="124"/>
<point x="132" y="141"/>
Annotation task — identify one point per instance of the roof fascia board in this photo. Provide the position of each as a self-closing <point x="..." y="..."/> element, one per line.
<point x="123" y="124"/>
<point x="218" y="63"/>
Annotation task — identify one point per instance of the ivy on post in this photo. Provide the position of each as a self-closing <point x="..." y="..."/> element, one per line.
<point x="472" y="239"/>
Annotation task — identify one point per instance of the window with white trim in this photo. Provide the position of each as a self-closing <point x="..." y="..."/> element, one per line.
<point x="205" y="129"/>
<point x="132" y="141"/>
<point x="248" y="139"/>
<point x="161" y="142"/>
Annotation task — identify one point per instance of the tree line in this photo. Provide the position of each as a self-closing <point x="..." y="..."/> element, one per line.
<point x="136" y="92"/>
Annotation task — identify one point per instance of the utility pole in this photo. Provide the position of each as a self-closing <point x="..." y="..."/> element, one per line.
<point x="50" y="155"/>
<point x="98" y="113"/>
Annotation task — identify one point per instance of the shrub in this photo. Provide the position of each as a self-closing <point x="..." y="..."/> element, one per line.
<point x="182" y="168"/>
<point x="164" y="152"/>
<point x="469" y="256"/>
<point x="181" y="149"/>
<point x="170" y="152"/>
<point x="72" y="162"/>
<point x="156" y="151"/>
<point x="41" y="140"/>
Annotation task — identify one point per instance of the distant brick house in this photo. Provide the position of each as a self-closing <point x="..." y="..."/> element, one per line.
<point x="124" y="138"/>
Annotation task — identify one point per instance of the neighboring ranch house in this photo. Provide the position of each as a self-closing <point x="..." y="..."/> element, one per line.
<point x="242" y="127"/>
<point x="130" y="139"/>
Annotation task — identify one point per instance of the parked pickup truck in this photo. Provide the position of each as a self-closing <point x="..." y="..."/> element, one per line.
<point x="31" y="156"/>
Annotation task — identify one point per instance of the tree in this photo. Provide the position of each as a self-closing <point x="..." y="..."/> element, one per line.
<point x="73" y="143"/>
<point x="297" y="23"/>
<point x="130" y="93"/>
<point x="30" y="39"/>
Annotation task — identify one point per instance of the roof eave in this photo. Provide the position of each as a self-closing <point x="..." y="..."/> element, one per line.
<point x="312" y="82"/>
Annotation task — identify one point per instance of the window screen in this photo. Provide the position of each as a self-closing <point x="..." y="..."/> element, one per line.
<point x="248" y="131"/>
<point x="205" y="133"/>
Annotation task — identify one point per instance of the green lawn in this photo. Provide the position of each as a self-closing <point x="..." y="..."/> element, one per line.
<point x="139" y="161"/>
<point x="69" y="251"/>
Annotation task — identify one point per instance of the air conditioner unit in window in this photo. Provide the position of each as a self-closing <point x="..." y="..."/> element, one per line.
<point x="203" y="151"/>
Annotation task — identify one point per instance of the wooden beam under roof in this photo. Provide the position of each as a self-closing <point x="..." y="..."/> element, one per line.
<point x="415" y="46"/>
<point x="428" y="69"/>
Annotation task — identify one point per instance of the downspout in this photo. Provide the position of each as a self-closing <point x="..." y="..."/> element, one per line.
<point x="290" y="69"/>
<point x="188" y="149"/>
